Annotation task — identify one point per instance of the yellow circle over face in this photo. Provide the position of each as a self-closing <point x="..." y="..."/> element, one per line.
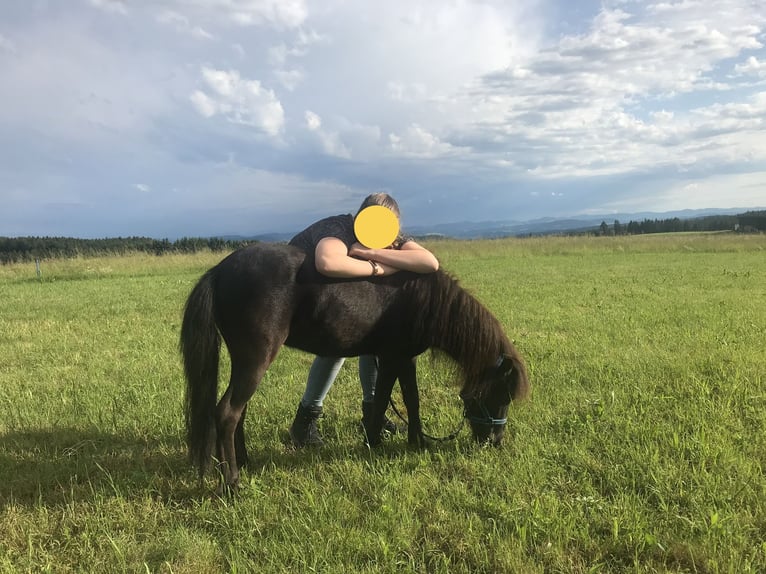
<point x="376" y="227"/>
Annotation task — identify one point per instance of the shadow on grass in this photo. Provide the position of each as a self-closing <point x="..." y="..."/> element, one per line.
<point x="55" y="466"/>
<point x="52" y="467"/>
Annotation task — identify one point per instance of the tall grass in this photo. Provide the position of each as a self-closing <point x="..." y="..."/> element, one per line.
<point x="641" y="450"/>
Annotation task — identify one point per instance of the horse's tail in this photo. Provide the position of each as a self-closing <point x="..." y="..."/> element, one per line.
<point x="200" y="345"/>
<point x="519" y="379"/>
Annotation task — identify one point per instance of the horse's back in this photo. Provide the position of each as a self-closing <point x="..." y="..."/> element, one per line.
<point x="255" y="290"/>
<point x="273" y="292"/>
<point x="342" y="318"/>
<point x="262" y="262"/>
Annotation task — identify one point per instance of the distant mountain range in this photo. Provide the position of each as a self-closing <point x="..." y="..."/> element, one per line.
<point x="542" y="226"/>
<point x="548" y="225"/>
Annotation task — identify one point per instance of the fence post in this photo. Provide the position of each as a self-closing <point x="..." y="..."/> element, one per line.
<point x="37" y="268"/>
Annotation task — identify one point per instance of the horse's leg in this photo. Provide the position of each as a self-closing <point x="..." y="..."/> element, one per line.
<point x="229" y="414"/>
<point x="229" y="421"/>
<point x="383" y="387"/>
<point x="408" y="382"/>
<point x="239" y="441"/>
<point x="247" y="369"/>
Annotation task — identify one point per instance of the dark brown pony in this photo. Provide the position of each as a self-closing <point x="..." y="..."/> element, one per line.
<point x="264" y="296"/>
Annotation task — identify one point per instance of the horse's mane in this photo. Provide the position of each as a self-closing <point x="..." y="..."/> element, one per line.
<point x="447" y="317"/>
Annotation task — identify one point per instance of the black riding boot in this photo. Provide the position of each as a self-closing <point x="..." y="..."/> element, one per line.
<point x="304" y="429"/>
<point x="388" y="425"/>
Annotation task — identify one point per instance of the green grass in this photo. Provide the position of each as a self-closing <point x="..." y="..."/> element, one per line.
<point x="642" y="449"/>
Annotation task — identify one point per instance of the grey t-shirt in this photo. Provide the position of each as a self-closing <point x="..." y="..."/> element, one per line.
<point x="340" y="226"/>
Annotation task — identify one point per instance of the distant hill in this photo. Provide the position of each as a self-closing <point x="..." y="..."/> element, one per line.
<point x="548" y="225"/>
<point x="506" y="228"/>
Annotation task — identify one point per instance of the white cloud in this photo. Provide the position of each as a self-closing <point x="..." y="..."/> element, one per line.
<point x="401" y="62"/>
<point x="594" y="104"/>
<point x="752" y="66"/>
<point x="290" y="79"/>
<point x="289" y="73"/>
<point x="239" y="100"/>
<point x="113" y="6"/>
<point x="313" y="121"/>
<point x="204" y="104"/>
<point x="182" y="24"/>
<point x="721" y="191"/>
<point x="142" y="187"/>
<point x="412" y="92"/>
<point x="276" y="13"/>
<point x="278" y="55"/>
<point x="77" y="88"/>
<point x="299" y="47"/>
<point x="330" y="141"/>
<point x="415" y="141"/>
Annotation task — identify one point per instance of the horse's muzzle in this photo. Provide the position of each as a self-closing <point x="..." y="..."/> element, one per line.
<point x="488" y="434"/>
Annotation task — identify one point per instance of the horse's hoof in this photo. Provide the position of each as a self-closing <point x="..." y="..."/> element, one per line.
<point x="226" y="491"/>
<point x="417" y="440"/>
<point x="372" y="443"/>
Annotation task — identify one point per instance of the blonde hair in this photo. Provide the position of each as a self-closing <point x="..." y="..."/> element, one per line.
<point x="380" y="199"/>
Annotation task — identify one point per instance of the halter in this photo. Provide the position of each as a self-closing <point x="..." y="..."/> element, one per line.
<point x="484" y="419"/>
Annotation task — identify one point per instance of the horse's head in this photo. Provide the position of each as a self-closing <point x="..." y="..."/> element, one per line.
<point x="487" y="411"/>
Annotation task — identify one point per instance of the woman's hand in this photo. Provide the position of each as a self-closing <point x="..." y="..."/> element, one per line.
<point x="360" y="251"/>
<point x="411" y="257"/>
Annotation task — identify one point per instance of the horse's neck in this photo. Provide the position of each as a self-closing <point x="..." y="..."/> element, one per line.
<point x="470" y="334"/>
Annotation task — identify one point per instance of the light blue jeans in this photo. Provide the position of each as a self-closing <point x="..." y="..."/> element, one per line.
<point x="323" y="372"/>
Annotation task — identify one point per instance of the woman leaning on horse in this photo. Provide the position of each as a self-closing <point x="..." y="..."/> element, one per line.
<point x="332" y="246"/>
<point x="266" y="296"/>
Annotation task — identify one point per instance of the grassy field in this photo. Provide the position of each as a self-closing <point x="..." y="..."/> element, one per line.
<point x="642" y="449"/>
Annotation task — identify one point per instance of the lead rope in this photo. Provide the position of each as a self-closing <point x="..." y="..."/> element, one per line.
<point x="451" y="436"/>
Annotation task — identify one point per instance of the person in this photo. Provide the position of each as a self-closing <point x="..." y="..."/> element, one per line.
<point x="338" y="253"/>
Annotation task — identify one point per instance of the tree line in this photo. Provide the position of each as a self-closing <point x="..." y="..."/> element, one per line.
<point x="25" y="249"/>
<point x="751" y="221"/>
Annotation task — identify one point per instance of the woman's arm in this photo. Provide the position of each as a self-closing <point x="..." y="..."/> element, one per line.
<point x="332" y="258"/>
<point x="411" y="257"/>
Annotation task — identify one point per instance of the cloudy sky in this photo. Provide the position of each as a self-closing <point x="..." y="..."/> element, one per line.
<point x="173" y="118"/>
